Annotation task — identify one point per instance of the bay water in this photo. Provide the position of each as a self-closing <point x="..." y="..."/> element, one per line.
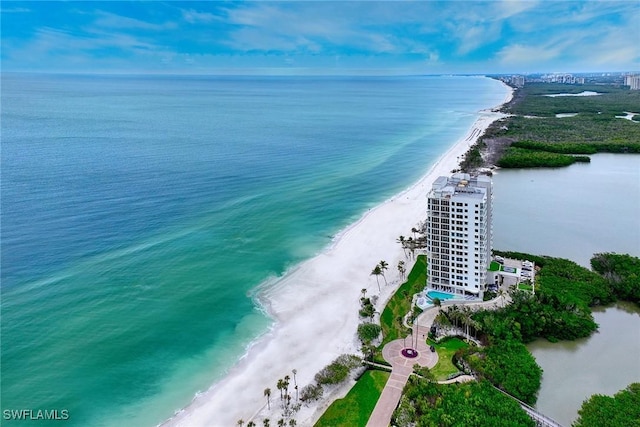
<point x="603" y="363"/>
<point x="141" y="216"/>
<point x="572" y="213"/>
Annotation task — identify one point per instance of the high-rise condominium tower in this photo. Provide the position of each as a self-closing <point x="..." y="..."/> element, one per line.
<point x="459" y="234"/>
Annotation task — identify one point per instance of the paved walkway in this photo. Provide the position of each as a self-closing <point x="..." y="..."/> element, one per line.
<point x="458" y="379"/>
<point x="401" y="368"/>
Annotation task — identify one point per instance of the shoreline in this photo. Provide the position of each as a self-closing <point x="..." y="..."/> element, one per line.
<point x="310" y="331"/>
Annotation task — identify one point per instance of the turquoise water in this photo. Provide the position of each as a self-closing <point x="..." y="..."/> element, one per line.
<point x="142" y="215"/>
<point x="427" y="302"/>
<point x="441" y="295"/>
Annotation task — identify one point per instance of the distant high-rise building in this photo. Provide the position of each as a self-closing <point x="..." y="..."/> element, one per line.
<point x="459" y="234"/>
<point x="517" y="81"/>
<point x="633" y="81"/>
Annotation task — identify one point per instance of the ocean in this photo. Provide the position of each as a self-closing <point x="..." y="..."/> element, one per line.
<point x="143" y="215"/>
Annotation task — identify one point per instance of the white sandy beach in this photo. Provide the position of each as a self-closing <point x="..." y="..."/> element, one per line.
<point x="316" y="306"/>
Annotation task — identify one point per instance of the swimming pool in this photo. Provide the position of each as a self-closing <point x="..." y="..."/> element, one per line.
<point x="442" y="295"/>
<point x="425" y="300"/>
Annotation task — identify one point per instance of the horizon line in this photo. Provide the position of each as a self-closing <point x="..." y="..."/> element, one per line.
<point x="284" y="74"/>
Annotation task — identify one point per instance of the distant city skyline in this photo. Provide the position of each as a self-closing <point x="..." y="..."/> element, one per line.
<point x="321" y="37"/>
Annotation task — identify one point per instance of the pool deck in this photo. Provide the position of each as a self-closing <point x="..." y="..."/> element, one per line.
<point x="451" y="298"/>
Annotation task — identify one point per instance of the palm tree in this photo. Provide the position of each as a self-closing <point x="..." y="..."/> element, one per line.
<point x="502" y="294"/>
<point x="364" y="293"/>
<point x="267" y="394"/>
<point x="401" y="269"/>
<point x="295" y="371"/>
<point x="251" y="424"/>
<point x="293" y="422"/>
<point x="281" y="422"/>
<point x="266" y="422"/>
<point x="280" y="386"/>
<point x="403" y="243"/>
<point x="468" y="321"/>
<point x="384" y="266"/>
<point x="454" y="314"/>
<point x="240" y="422"/>
<point x="414" y="231"/>
<point x="412" y="246"/>
<point x="377" y="272"/>
<point x="286" y="388"/>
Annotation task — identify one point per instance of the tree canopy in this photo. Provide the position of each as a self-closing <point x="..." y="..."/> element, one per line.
<point x="621" y="410"/>
<point x="427" y="404"/>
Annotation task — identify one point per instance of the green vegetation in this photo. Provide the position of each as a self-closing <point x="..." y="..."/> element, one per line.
<point x="565" y="292"/>
<point x="525" y="287"/>
<point x="424" y="372"/>
<point x="488" y="295"/>
<point x="560" y="147"/>
<point x="560" y="309"/>
<point x="367" y="310"/>
<point x="446" y="348"/>
<point x="400" y="304"/>
<point x="573" y="283"/>
<point x="523" y="158"/>
<point x="356" y="407"/>
<point x="564" y="278"/>
<point x="622" y="272"/>
<point x="606" y="133"/>
<point x="368" y="332"/>
<point x="621" y="410"/>
<point x="611" y="102"/>
<point x="537" y="138"/>
<point x="495" y="266"/>
<point x="311" y="392"/>
<point x="472" y="158"/>
<point x="427" y="404"/>
<point x="338" y="370"/>
<point x="509" y="366"/>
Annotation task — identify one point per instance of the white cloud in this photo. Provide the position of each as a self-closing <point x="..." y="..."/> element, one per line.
<point x="473" y="37"/>
<point x="193" y="16"/>
<point x="14" y="10"/>
<point x="506" y="9"/>
<point x="111" y="20"/>
<point x="518" y="54"/>
<point x="367" y="28"/>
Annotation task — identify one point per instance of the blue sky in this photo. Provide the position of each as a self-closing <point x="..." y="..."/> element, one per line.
<point x="321" y="37"/>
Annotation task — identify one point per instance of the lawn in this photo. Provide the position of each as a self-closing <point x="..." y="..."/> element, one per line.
<point x="356" y="407"/>
<point x="400" y="303"/>
<point x="495" y="266"/>
<point x="446" y="349"/>
<point x="525" y="287"/>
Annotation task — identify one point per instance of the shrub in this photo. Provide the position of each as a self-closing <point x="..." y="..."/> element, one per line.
<point x="311" y="392"/>
<point x="368" y="332"/>
<point x="424" y="372"/>
<point x="622" y="272"/>
<point x="621" y="410"/>
<point x="525" y="158"/>
<point x="338" y="370"/>
<point x="509" y="366"/>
